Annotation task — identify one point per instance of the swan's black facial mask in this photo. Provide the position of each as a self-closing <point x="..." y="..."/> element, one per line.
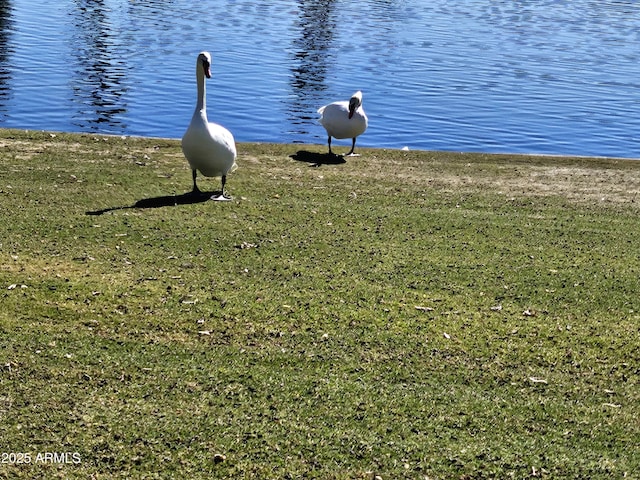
<point x="353" y="104"/>
<point x="206" y="66"/>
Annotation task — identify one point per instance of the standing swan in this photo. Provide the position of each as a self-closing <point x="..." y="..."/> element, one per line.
<point x="208" y="147"/>
<point x="344" y="119"/>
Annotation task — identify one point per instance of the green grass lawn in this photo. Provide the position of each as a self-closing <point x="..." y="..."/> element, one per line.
<point x="418" y="315"/>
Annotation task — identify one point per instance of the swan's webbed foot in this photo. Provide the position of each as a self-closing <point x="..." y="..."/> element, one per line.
<point x="221" y="197"/>
<point x="353" y="147"/>
<point x="196" y="192"/>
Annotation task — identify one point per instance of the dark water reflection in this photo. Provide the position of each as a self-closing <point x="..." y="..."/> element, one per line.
<point x="99" y="73"/>
<point x="311" y="61"/>
<point x="528" y="76"/>
<point x="5" y="50"/>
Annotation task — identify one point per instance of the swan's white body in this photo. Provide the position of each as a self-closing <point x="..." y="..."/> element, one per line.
<point x="344" y="119"/>
<point x="208" y="147"/>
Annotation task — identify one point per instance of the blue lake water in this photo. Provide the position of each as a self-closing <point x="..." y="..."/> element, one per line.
<point x="551" y="77"/>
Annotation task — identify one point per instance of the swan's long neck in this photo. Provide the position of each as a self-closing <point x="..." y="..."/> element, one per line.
<point x="201" y="105"/>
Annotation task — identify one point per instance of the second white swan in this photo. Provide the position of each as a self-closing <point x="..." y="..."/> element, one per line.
<point x="344" y="120"/>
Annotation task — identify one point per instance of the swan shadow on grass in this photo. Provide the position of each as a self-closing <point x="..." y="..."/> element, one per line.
<point x="188" y="198"/>
<point x="316" y="159"/>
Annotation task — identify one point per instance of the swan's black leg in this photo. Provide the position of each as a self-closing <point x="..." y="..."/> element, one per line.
<point x="330" y="152"/>
<point x="224" y="181"/>
<point x="195" y="190"/>
<point x="353" y="147"/>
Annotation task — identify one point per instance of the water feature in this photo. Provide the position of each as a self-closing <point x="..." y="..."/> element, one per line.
<point x="552" y="77"/>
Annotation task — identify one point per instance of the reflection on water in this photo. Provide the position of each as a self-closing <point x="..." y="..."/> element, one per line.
<point x="527" y="76"/>
<point x="99" y="72"/>
<point x="5" y="46"/>
<point x="311" y="60"/>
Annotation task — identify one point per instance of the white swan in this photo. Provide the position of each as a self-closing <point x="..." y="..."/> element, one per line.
<point x="344" y="119"/>
<point x="208" y="147"/>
